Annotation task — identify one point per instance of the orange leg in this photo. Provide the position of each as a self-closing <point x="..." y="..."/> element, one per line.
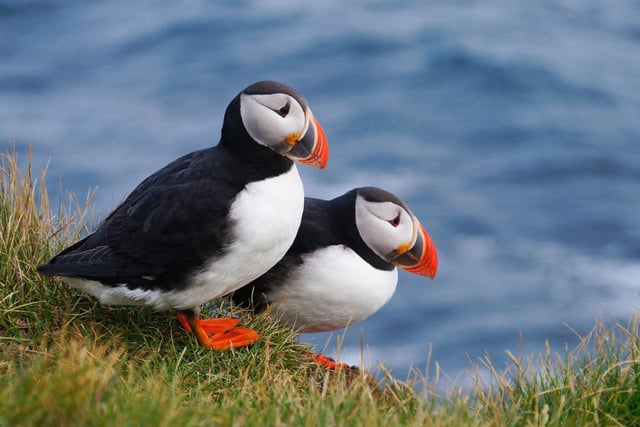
<point x="217" y="334"/>
<point x="328" y="362"/>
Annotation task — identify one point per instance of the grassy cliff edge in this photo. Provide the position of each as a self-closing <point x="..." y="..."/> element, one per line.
<point x="66" y="360"/>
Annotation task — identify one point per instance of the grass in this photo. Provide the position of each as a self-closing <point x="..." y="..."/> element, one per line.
<point x="66" y="360"/>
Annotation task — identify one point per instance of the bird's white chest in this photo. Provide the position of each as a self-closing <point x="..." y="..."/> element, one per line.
<point x="266" y="216"/>
<point x="333" y="289"/>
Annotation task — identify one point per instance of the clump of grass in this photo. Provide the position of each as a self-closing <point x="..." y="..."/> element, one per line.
<point x="28" y="234"/>
<point x="597" y="383"/>
<point x="76" y="382"/>
<point x="66" y="360"/>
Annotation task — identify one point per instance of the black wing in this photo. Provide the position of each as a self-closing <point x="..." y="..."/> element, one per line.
<point x="173" y="221"/>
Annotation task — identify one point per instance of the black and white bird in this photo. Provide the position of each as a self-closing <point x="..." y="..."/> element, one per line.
<point x="209" y="222"/>
<point x="341" y="267"/>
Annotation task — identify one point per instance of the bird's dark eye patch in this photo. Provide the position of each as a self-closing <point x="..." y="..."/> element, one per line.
<point x="395" y="221"/>
<point x="284" y="110"/>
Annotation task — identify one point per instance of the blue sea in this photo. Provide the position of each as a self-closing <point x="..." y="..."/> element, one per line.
<point x="512" y="130"/>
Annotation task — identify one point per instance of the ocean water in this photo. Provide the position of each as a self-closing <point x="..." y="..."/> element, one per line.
<point x="512" y="129"/>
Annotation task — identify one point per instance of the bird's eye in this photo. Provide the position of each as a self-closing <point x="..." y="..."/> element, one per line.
<point x="284" y="110"/>
<point x="395" y="221"/>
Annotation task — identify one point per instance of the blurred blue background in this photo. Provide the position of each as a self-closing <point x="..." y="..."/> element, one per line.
<point x="512" y="129"/>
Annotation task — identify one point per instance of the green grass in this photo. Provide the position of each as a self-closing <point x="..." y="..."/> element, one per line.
<point x="66" y="360"/>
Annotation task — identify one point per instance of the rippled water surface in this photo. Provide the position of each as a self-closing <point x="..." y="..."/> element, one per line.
<point x="512" y="129"/>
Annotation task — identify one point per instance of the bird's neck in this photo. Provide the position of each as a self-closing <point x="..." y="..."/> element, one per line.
<point x="261" y="162"/>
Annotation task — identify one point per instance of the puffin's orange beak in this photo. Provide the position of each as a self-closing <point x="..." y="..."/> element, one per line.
<point x="312" y="149"/>
<point x="422" y="258"/>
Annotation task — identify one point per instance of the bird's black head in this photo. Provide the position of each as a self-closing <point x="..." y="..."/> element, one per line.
<point x="388" y="227"/>
<point x="274" y="115"/>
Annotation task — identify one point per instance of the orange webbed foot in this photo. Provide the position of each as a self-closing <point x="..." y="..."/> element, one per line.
<point x="328" y="362"/>
<point x="236" y="337"/>
<point x="211" y="326"/>
<point x="217" y="334"/>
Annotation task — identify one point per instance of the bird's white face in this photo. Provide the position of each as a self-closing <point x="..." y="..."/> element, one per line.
<point x="385" y="227"/>
<point x="394" y="234"/>
<point x="272" y="119"/>
<point x="279" y="122"/>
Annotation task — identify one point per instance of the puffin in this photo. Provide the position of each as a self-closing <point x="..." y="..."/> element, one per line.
<point x="209" y="222"/>
<point x="343" y="264"/>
